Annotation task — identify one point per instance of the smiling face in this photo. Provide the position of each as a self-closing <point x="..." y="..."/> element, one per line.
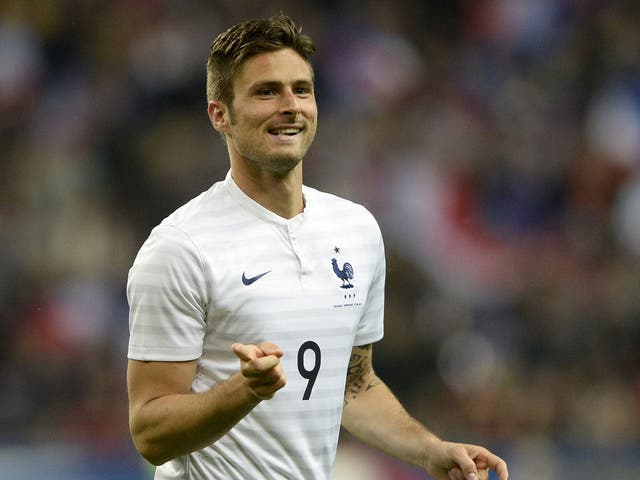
<point x="272" y="120"/>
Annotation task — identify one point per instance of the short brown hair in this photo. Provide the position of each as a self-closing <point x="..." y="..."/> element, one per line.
<point x="246" y="39"/>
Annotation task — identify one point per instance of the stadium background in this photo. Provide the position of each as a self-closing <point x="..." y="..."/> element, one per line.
<point x="497" y="142"/>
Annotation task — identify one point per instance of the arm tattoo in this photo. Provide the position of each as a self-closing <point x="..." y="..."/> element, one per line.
<point x="360" y="375"/>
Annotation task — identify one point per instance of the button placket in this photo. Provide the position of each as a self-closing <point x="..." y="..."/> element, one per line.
<point x="294" y="245"/>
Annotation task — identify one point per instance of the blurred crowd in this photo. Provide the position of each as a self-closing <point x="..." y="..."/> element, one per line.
<point x="496" y="141"/>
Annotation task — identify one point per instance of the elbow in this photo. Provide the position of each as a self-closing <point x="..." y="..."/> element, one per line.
<point x="151" y="453"/>
<point x="156" y="461"/>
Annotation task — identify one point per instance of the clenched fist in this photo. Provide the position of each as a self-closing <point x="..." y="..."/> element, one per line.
<point x="260" y="366"/>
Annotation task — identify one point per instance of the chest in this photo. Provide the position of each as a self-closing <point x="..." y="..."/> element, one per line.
<point x="279" y="279"/>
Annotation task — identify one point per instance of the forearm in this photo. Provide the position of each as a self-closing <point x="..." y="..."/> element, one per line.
<point x="376" y="417"/>
<point x="172" y="425"/>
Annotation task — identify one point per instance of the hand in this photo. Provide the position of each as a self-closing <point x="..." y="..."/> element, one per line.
<point x="455" y="461"/>
<point x="261" y="368"/>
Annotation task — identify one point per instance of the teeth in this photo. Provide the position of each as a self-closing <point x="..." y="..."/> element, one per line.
<point x="285" y="131"/>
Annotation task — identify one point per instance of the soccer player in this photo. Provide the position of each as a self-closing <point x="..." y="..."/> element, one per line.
<point x="254" y="306"/>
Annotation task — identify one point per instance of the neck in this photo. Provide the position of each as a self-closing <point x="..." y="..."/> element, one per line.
<point x="281" y="194"/>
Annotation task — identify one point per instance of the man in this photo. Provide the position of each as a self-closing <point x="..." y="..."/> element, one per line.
<point x="254" y="306"/>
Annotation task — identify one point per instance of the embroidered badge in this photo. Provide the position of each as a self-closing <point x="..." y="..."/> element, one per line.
<point x="345" y="273"/>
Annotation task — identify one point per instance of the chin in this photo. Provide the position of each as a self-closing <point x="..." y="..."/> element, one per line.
<point x="284" y="165"/>
<point x="276" y="164"/>
<point x="285" y="160"/>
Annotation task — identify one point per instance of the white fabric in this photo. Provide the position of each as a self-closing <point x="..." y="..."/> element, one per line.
<point x="188" y="301"/>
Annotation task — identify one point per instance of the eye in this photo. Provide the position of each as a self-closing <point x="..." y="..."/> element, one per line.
<point x="303" y="91"/>
<point x="266" y="92"/>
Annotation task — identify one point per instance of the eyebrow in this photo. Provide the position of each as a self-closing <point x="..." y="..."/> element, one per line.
<point x="278" y="84"/>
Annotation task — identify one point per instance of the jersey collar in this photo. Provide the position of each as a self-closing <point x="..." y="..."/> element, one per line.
<point x="258" y="210"/>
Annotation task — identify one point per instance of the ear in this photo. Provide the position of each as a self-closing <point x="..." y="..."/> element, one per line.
<point x="219" y="116"/>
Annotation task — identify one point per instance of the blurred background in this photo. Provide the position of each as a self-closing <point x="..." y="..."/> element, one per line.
<point x="496" y="141"/>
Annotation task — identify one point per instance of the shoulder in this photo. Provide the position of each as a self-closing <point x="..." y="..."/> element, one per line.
<point x="339" y="210"/>
<point x="200" y="208"/>
<point x="208" y="218"/>
<point x="175" y="237"/>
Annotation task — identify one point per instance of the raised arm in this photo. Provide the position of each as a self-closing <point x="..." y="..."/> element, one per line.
<point x="375" y="416"/>
<point x="168" y="420"/>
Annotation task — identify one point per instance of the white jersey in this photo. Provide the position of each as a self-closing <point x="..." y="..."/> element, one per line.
<point x="223" y="269"/>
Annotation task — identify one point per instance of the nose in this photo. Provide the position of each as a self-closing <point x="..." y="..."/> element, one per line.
<point x="290" y="103"/>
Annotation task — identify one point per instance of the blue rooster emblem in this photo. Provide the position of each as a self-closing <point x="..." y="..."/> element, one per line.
<point x="345" y="274"/>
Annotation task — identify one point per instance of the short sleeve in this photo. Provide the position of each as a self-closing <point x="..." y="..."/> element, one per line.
<point x="167" y="294"/>
<point x="371" y="326"/>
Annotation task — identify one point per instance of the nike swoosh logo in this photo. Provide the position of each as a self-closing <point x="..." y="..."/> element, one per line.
<point x="250" y="280"/>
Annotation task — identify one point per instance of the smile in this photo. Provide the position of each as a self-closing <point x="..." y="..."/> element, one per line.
<point x="285" y="131"/>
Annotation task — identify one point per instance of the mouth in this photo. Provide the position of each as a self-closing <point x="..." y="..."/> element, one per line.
<point x="286" y="131"/>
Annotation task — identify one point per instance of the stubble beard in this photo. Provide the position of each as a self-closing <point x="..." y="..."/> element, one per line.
<point x="277" y="164"/>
